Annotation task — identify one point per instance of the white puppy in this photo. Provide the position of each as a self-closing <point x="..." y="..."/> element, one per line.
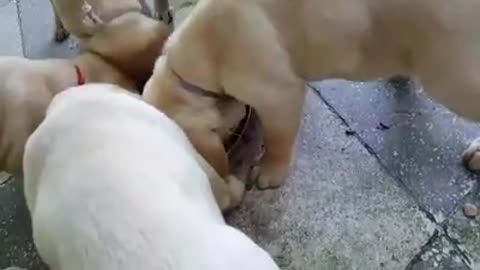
<point x="119" y="186"/>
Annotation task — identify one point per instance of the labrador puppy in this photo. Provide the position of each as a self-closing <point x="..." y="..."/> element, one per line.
<point x="261" y="51"/>
<point x="118" y="186"/>
<point x="27" y="86"/>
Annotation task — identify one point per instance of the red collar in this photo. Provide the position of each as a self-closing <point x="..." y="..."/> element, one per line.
<point x="80" y="77"/>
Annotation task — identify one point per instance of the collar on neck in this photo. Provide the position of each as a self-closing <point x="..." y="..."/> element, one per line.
<point x="80" y="76"/>
<point x="197" y="89"/>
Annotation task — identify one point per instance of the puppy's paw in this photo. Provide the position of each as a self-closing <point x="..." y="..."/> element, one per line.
<point x="14" y="268"/>
<point x="61" y="35"/>
<point x="236" y="190"/>
<point x="166" y="17"/>
<point x="268" y="178"/>
<point x="471" y="156"/>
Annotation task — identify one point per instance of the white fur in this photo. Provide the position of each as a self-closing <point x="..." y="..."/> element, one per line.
<point x="116" y="186"/>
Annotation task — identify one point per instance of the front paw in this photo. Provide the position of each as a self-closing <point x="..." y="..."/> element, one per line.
<point x="471" y="156"/>
<point x="236" y="190"/>
<point x="268" y="177"/>
<point x="234" y="194"/>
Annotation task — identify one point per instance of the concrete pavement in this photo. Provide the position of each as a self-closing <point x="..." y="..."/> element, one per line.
<point x="377" y="183"/>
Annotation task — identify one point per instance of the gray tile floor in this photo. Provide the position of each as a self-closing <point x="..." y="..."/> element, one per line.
<point x="387" y="194"/>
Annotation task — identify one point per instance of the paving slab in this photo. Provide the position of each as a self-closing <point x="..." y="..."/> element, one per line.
<point x="440" y="254"/>
<point x="418" y="141"/>
<point x="4" y="178"/>
<point x="16" y="246"/>
<point x="338" y="210"/>
<point x="465" y="232"/>
<point x="10" y="30"/>
<point x="341" y="209"/>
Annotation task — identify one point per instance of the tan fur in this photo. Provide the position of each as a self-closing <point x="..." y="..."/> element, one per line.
<point x="131" y="42"/>
<point x="28" y="86"/>
<point x="262" y="51"/>
<point x="72" y="17"/>
<point x="126" y="37"/>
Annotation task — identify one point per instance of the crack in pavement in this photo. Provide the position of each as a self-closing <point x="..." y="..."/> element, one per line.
<point x="370" y="150"/>
<point x="442" y="227"/>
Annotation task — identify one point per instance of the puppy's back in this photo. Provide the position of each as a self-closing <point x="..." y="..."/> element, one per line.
<point x="108" y="181"/>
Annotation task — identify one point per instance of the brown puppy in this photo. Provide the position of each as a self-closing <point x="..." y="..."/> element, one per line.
<point x="261" y="52"/>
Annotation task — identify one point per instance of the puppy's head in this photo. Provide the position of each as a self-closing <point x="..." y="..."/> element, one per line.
<point x="198" y="116"/>
<point x="132" y="42"/>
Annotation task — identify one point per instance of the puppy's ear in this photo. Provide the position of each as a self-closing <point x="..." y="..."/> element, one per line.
<point x="210" y="146"/>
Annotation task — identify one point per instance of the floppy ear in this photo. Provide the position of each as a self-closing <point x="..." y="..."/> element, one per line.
<point x="210" y="146"/>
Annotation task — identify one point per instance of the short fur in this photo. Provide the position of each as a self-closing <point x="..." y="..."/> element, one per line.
<point x="125" y="36"/>
<point x="117" y="186"/>
<point x="262" y="51"/>
<point x="26" y="90"/>
<point x="27" y="86"/>
<point x="75" y="16"/>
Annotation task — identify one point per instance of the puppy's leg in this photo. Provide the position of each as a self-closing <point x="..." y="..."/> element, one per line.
<point x="60" y="33"/>
<point x="228" y="192"/>
<point x="279" y="105"/>
<point x="210" y="145"/>
<point x="280" y="121"/>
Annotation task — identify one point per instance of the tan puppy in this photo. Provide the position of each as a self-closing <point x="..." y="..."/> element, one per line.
<point x="27" y="86"/>
<point x="261" y="52"/>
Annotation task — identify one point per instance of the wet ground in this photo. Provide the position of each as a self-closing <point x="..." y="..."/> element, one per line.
<point x="377" y="183"/>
